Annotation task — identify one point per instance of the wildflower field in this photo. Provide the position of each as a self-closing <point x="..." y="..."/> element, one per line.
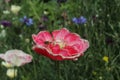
<point x="59" y="40"/>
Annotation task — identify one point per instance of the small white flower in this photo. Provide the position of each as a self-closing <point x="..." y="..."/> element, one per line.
<point x="15" y="9"/>
<point x="27" y="40"/>
<point x="3" y="33"/>
<point x="11" y="73"/>
<point x="1" y="26"/>
<point x="21" y="36"/>
<point x="6" y="12"/>
<point x="46" y="12"/>
<point x="6" y="64"/>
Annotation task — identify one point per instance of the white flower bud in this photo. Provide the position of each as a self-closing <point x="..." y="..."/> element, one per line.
<point x="15" y="9"/>
<point x="11" y="73"/>
<point x="27" y="40"/>
<point x="6" y="12"/>
<point x="3" y="33"/>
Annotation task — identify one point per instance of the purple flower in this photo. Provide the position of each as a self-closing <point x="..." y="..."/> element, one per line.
<point x="42" y="26"/>
<point x="44" y="18"/>
<point x="27" y="21"/>
<point x="80" y="20"/>
<point x="109" y="41"/>
<point x="5" y="23"/>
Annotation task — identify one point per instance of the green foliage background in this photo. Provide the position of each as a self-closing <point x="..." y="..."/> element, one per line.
<point x="102" y="30"/>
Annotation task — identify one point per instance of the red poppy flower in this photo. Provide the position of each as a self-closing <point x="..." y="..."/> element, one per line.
<point x="60" y="44"/>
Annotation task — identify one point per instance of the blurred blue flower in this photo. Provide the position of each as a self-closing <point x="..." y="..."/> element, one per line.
<point x="27" y="21"/>
<point x="80" y="20"/>
<point x="5" y="23"/>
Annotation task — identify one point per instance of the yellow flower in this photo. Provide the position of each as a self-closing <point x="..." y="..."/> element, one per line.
<point x="11" y="73"/>
<point x="15" y="9"/>
<point x="106" y="59"/>
<point x="6" y="64"/>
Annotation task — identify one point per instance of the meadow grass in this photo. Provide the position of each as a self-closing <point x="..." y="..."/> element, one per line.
<point x="102" y="30"/>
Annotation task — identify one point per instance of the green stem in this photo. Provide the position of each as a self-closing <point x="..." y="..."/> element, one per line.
<point x="34" y="64"/>
<point x="14" y="73"/>
<point x="58" y="73"/>
<point x="65" y="70"/>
